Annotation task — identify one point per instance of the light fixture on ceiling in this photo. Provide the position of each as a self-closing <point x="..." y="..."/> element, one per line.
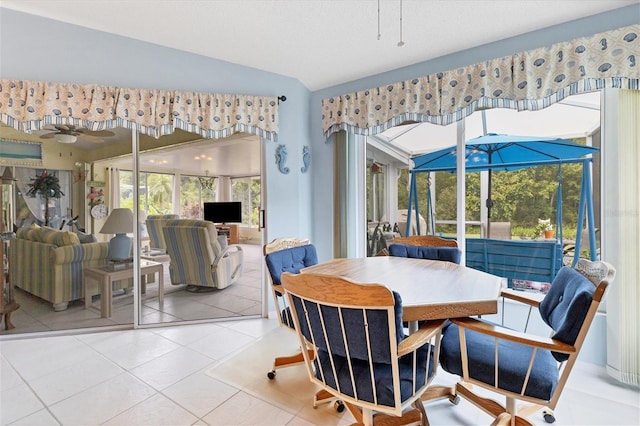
<point x="65" y="138"/>
<point x="401" y="42"/>
<point x="206" y="182"/>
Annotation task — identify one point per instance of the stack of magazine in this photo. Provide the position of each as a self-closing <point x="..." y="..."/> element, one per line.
<point x="119" y="264"/>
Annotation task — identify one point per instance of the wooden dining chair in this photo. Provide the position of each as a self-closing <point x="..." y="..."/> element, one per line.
<point x="359" y="351"/>
<point x="426" y="241"/>
<point x="524" y="367"/>
<point x="286" y="255"/>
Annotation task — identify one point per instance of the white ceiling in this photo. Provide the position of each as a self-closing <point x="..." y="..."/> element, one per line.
<point x="322" y="43"/>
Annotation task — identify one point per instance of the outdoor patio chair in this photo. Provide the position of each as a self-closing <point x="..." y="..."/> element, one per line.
<point x="358" y="350"/>
<point x="521" y="366"/>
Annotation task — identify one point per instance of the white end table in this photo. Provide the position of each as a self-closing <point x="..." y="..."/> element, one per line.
<point x="107" y="275"/>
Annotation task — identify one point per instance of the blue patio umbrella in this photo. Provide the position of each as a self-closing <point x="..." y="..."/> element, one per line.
<point x="502" y="152"/>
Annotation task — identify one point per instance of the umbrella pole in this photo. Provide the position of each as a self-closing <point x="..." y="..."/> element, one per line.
<point x="489" y="204"/>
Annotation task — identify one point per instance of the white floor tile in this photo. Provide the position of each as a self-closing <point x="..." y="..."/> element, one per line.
<point x="155" y="411"/>
<point x="63" y="383"/>
<point x="100" y="403"/>
<point x="199" y="393"/>
<point x="244" y="409"/>
<point x="141" y="350"/>
<point x="187" y="334"/>
<point x="172" y="367"/>
<point x="9" y="376"/>
<point x="39" y="418"/>
<point x="221" y="343"/>
<point x="18" y="402"/>
<point x="36" y="358"/>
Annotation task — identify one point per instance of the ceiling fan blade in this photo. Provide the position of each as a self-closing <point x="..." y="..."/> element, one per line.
<point x="96" y="133"/>
<point x="48" y="135"/>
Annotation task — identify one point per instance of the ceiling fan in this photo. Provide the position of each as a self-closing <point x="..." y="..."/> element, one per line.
<point x="68" y="133"/>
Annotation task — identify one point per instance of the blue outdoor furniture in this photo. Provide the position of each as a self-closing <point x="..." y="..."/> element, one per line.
<point x="514" y="259"/>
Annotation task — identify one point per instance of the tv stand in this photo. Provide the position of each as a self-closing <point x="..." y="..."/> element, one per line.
<point x="231" y="231"/>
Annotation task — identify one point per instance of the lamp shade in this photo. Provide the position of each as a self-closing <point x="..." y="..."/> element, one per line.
<point x="120" y="221"/>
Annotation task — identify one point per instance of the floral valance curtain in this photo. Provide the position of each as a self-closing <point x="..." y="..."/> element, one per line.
<point x="529" y="80"/>
<point x="30" y="105"/>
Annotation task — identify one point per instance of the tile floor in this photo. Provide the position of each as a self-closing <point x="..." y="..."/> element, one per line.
<point x="215" y="374"/>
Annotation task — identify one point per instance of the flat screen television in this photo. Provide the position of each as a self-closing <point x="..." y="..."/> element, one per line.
<point x="223" y="212"/>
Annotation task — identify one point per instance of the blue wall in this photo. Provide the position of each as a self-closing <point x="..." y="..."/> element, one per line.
<point x="35" y="48"/>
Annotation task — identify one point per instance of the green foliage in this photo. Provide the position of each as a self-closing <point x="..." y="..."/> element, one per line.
<point x="45" y="185"/>
<point x="520" y="197"/>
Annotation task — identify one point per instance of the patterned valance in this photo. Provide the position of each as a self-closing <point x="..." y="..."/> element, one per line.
<point x="30" y="105"/>
<point x="529" y="80"/>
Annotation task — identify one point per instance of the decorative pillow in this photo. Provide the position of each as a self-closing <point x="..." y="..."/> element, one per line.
<point x="58" y="238"/>
<point x="28" y="233"/>
<point x="86" y="238"/>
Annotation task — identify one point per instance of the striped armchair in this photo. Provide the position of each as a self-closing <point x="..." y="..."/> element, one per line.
<point x="197" y="258"/>
<point x="155" y="223"/>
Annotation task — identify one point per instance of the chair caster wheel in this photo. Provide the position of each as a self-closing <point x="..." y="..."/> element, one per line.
<point x="548" y="417"/>
<point x="339" y="406"/>
<point x="454" y="399"/>
<point x="271" y="374"/>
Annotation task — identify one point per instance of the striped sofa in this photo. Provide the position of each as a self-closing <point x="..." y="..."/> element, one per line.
<point x="48" y="263"/>
<point x="197" y="257"/>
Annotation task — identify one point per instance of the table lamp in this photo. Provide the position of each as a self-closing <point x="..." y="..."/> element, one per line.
<point x="119" y="222"/>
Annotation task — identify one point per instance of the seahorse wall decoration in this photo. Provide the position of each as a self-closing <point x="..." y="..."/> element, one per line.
<point x="281" y="158"/>
<point x="306" y="158"/>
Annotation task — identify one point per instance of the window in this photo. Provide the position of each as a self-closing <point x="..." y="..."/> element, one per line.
<point x="247" y="190"/>
<point x="193" y="194"/>
<point x="32" y="209"/>
<point x="156" y="191"/>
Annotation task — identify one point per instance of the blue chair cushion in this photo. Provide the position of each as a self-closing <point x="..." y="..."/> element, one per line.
<point x="290" y="260"/>
<point x="449" y="254"/>
<point x="565" y="306"/>
<point x="513" y="361"/>
<point x="383" y="376"/>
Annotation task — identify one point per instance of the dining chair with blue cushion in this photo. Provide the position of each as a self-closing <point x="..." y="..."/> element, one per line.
<point x="522" y="366"/>
<point x="449" y="254"/>
<point x="359" y="351"/>
<point x="286" y="255"/>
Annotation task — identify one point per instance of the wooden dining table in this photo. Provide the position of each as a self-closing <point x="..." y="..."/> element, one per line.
<point x="429" y="289"/>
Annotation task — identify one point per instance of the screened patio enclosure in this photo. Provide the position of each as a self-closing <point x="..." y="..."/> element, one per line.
<point x="508" y="153"/>
<point x="574" y="117"/>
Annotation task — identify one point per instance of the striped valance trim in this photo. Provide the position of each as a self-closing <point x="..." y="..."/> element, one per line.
<point x="28" y="106"/>
<point x="530" y="80"/>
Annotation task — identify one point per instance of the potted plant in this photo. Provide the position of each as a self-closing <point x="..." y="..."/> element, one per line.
<point x="544" y="228"/>
<point x="48" y="186"/>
